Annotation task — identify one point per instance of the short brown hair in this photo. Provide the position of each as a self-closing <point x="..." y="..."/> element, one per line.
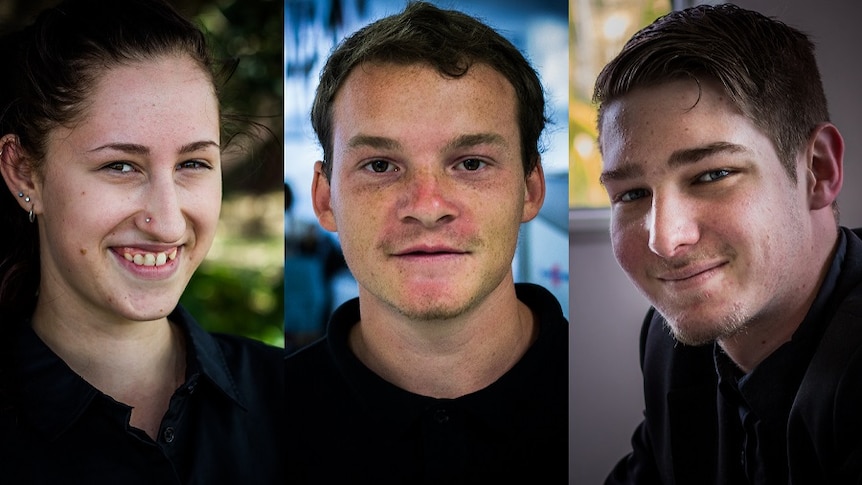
<point x="448" y="40"/>
<point x="766" y="67"/>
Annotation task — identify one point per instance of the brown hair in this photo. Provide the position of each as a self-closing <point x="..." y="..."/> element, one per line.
<point x="766" y="67"/>
<point x="448" y="40"/>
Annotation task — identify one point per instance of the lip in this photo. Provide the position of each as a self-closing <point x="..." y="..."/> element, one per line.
<point x="145" y="272"/>
<point x="690" y="273"/>
<point x="428" y="250"/>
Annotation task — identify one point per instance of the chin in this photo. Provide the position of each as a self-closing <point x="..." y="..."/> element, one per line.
<point x="703" y="330"/>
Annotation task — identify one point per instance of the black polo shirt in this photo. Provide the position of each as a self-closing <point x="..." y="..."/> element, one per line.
<point x="222" y="427"/>
<point x="754" y="408"/>
<point x="347" y="425"/>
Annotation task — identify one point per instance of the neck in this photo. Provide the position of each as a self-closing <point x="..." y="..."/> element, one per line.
<point x="139" y="364"/>
<point x="446" y="358"/>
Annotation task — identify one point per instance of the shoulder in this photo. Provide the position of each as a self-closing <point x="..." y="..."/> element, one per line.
<point x="542" y="302"/>
<point x="825" y="421"/>
<point x="307" y="361"/>
<point x="243" y="350"/>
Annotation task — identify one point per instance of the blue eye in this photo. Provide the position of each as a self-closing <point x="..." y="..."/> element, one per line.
<point x="380" y="166"/>
<point x="633" y="195"/>
<point x="713" y="175"/>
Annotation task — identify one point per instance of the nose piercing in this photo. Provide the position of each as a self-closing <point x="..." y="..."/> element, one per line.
<point x="148" y="219"/>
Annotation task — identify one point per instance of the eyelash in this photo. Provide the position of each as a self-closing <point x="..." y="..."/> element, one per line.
<point x="369" y="166"/>
<point x="721" y="172"/>
<point x="194" y="164"/>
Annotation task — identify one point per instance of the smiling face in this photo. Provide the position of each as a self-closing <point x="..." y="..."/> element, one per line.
<point x="705" y="221"/>
<point x="427" y="189"/>
<point x="146" y="148"/>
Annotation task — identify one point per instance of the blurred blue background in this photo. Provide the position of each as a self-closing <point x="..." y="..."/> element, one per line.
<point x="316" y="279"/>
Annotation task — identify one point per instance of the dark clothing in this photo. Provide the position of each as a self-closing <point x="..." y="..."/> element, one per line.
<point x="348" y="425"/>
<point x="222" y="427"/>
<point x="794" y="419"/>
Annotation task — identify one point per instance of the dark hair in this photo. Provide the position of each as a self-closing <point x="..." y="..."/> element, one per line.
<point x="448" y="40"/>
<point x="766" y="67"/>
<point x="54" y="64"/>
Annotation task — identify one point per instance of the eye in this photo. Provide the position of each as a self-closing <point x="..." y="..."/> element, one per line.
<point x="380" y="166"/>
<point x="193" y="165"/>
<point x="633" y="195"/>
<point x="472" y="164"/>
<point x="122" y="167"/>
<point x="713" y="175"/>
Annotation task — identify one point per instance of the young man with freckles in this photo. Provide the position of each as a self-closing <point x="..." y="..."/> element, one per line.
<point x="723" y="171"/>
<point x="443" y="370"/>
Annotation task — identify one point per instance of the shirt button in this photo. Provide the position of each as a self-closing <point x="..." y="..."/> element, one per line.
<point x="168" y="434"/>
<point x="441" y="416"/>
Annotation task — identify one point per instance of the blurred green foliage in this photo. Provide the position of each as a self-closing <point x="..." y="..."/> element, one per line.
<point x="237" y="301"/>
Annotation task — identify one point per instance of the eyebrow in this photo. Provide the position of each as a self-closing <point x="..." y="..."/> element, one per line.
<point x="137" y="149"/>
<point x="677" y="159"/>
<point x="463" y="141"/>
<point x="471" y="140"/>
<point x="379" y="142"/>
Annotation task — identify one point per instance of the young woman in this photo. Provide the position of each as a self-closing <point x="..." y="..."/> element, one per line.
<point x="110" y="148"/>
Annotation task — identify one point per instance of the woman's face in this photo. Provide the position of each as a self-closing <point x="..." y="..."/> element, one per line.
<point x="128" y="197"/>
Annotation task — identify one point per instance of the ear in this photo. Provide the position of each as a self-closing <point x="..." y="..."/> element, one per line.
<point x="535" y="192"/>
<point x="825" y="166"/>
<point x="18" y="172"/>
<point x="321" y="197"/>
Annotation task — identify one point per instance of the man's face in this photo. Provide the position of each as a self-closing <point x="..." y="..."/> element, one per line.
<point x="705" y="220"/>
<point x="427" y="190"/>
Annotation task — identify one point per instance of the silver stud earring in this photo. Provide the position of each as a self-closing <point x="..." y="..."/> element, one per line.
<point x="147" y="220"/>
<point x="20" y="194"/>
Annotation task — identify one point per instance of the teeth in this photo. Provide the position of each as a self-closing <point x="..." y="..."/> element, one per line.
<point x="151" y="259"/>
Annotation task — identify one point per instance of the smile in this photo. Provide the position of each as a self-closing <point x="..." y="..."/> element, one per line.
<point x="150" y="259"/>
<point x="690" y="272"/>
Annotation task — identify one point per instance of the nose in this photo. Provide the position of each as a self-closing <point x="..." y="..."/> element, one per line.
<point x="428" y="199"/>
<point x="163" y="215"/>
<point x="672" y="224"/>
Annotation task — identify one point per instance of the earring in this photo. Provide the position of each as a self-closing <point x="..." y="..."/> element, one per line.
<point x="148" y="219"/>
<point x="30" y="215"/>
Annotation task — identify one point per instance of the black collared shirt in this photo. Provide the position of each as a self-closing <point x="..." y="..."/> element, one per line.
<point x="223" y="425"/>
<point x="348" y="425"/>
<point x="754" y="408"/>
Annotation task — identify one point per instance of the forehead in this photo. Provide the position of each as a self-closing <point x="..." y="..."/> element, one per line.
<point x="653" y="122"/>
<point x="375" y="95"/>
<point x="167" y="98"/>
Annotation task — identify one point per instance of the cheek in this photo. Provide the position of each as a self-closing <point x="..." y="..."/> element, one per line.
<point x="628" y="245"/>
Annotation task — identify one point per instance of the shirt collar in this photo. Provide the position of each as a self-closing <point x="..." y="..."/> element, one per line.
<point x="54" y="396"/>
<point x="205" y="356"/>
